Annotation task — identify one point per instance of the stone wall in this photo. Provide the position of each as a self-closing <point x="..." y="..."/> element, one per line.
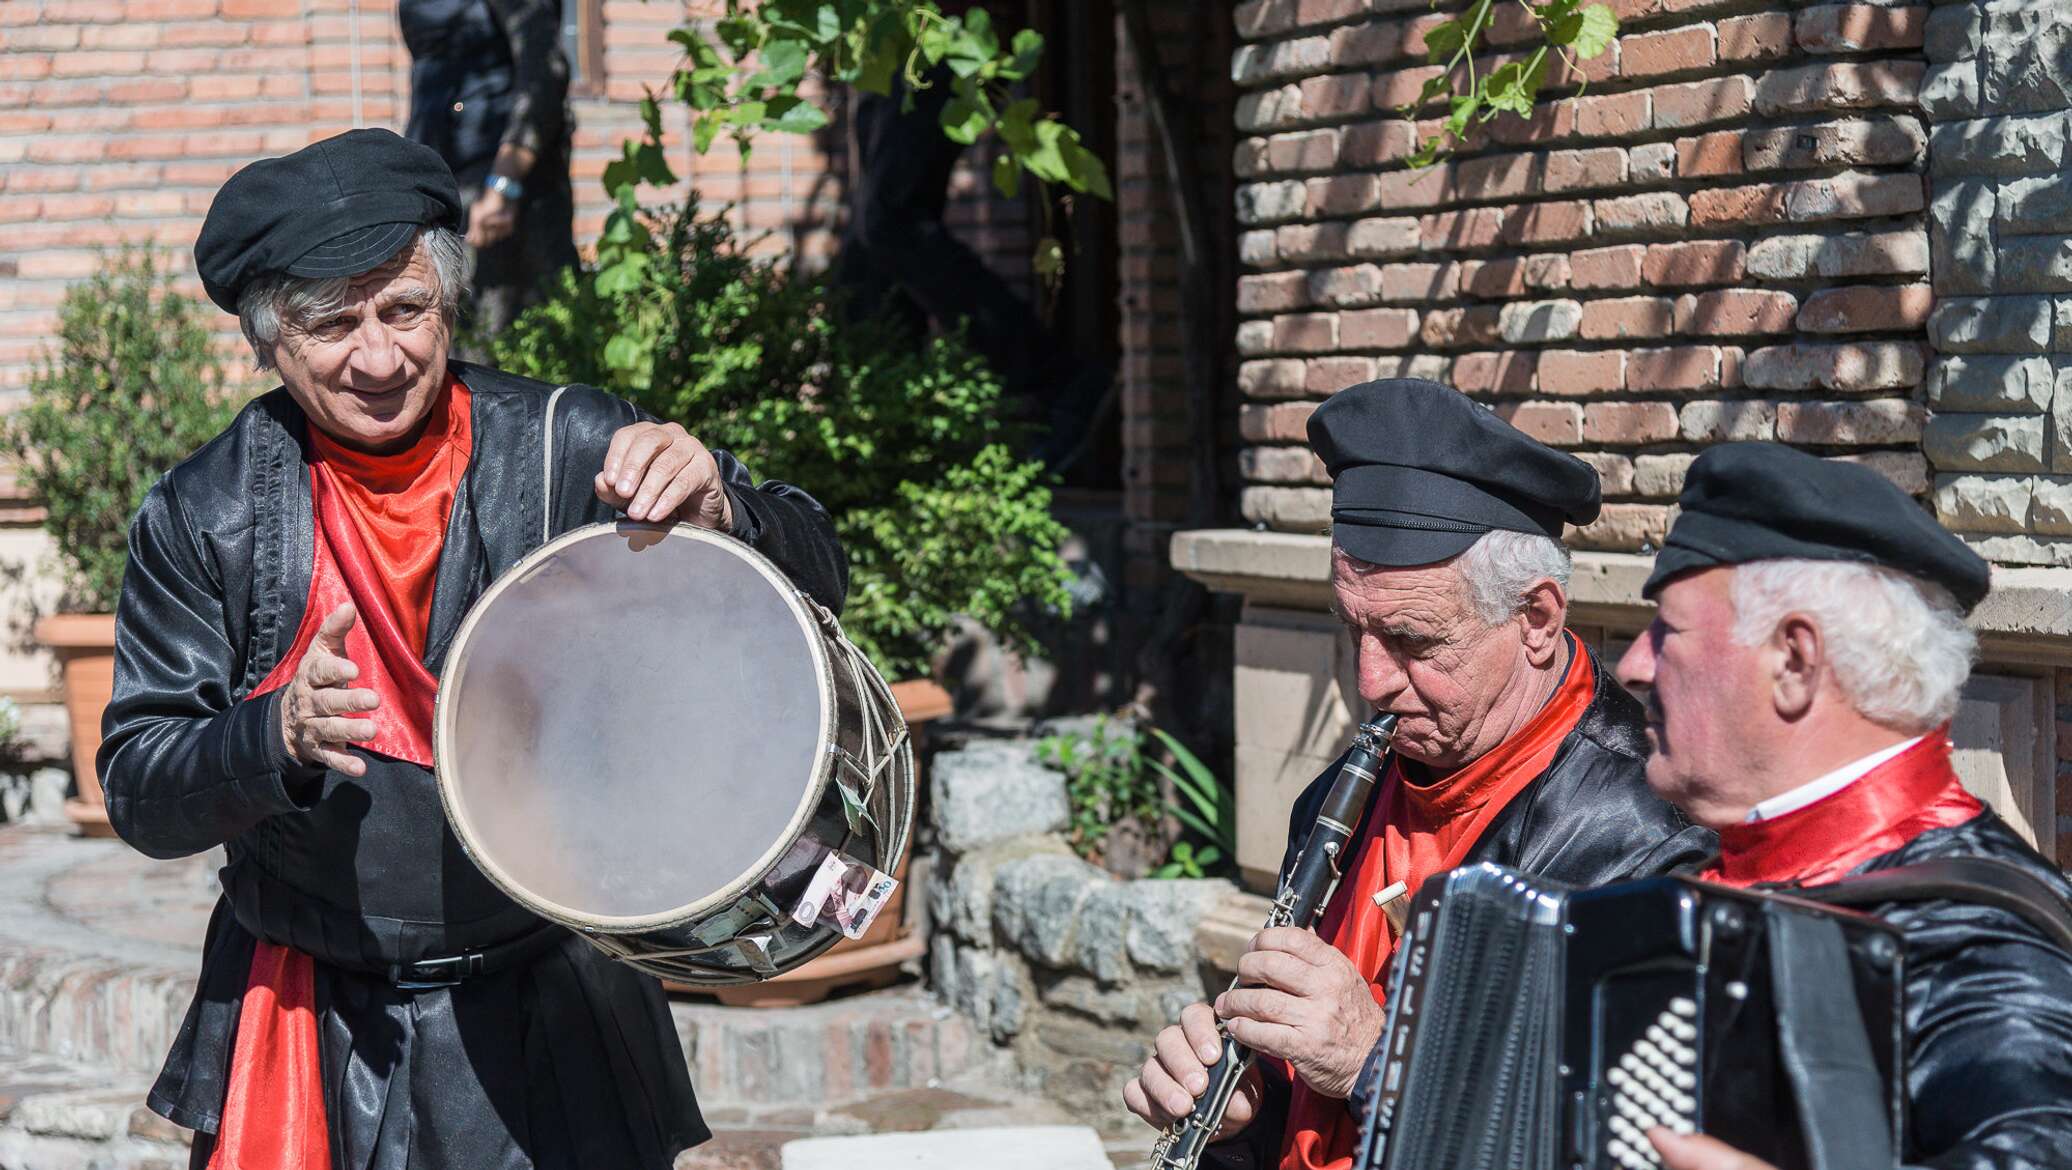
<point x="1721" y="236"/>
<point x="1070" y="967"/>
<point x="1998" y="99"/>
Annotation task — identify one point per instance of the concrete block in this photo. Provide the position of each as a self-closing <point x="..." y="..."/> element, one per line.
<point x="2025" y="60"/>
<point x="1954" y="32"/>
<point x="2033" y="145"/>
<point x="1947" y="91"/>
<point x="1985" y="442"/>
<point x="1992" y="385"/>
<point x="1983" y="503"/>
<point x="1964" y="260"/>
<point x="2050" y="511"/>
<point x="2035" y="206"/>
<point x="2061" y="410"/>
<point x="2030" y="264"/>
<point x="2019" y="324"/>
<point x="1060" y="1147"/>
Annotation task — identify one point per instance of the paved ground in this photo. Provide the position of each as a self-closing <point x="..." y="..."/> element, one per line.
<point x="98" y="946"/>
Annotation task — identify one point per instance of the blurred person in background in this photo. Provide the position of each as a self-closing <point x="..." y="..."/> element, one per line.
<point x="489" y="92"/>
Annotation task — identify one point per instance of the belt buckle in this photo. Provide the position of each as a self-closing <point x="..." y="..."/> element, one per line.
<point x="433" y="974"/>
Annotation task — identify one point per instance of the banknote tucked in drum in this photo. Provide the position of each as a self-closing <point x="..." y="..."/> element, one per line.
<point x="650" y="736"/>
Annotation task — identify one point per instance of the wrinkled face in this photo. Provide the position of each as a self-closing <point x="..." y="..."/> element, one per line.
<point x="1705" y="699"/>
<point x="368" y="374"/>
<point x="1426" y="655"/>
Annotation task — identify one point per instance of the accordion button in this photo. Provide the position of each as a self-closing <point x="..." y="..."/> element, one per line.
<point x="1687" y="1008"/>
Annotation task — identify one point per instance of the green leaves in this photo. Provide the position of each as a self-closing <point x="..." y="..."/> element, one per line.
<point x="131" y="386"/>
<point x="902" y="439"/>
<point x="1589" y="32"/>
<point x="741" y="75"/>
<point x="1570" y="28"/>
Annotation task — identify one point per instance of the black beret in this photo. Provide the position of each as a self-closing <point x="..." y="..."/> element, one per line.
<point x="1419" y="471"/>
<point x="334" y="208"/>
<point x="1765" y="501"/>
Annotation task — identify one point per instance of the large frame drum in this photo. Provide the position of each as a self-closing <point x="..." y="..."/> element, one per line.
<point x="649" y="735"/>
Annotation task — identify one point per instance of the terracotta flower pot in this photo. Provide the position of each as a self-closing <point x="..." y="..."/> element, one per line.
<point x="84" y="644"/>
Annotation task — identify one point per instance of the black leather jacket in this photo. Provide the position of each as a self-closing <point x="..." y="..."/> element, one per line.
<point x="362" y="872"/>
<point x="1989" y="1016"/>
<point x="1590" y="818"/>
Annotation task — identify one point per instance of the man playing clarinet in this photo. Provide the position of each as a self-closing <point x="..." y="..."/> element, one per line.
<point x="1802" y="670"/>
<point x="1512" y="746"/>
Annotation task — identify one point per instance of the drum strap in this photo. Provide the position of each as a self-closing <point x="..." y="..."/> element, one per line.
<point x="547" y="467"/>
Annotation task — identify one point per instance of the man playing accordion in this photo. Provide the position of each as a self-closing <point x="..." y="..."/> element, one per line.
<point x="1513" y="745"/>
<point x="1802" y="670"/>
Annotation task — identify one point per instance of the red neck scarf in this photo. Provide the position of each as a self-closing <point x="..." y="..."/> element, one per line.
<point x="1885" y="808"/>
<point x="380" y="527"/>
<point x="1414" y="832"/>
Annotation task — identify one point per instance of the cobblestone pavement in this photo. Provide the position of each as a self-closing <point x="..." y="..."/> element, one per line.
<point x="98" y="949"/>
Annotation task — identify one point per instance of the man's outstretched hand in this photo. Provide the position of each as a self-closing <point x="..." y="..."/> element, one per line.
<point x="318" y="706"/>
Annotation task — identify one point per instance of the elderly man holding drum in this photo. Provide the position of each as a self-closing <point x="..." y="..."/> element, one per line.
<point x="367" y="997"/>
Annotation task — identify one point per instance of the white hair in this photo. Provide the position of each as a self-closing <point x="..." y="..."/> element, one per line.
<point x="1898" y="645"/>
<point x="278" y="299"/>
<point x="1501" y="566"/>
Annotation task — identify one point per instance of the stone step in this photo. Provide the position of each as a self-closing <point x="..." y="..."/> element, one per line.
<point x="61" y="1115"/>
<point x="749" y="1061"/>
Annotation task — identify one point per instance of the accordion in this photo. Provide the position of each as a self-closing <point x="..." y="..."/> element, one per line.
<point x="1536" y="1027"/>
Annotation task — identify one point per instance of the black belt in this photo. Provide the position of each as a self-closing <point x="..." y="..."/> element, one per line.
<point x="450" y="970"/>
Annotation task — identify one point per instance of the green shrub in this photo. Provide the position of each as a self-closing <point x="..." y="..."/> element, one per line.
<point x="904" y="444"/>
<point x="131" y="390"/>
<point x="1107" y="784"/>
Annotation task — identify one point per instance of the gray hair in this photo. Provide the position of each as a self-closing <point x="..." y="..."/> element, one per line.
<point x="1898" y="645"/>
<point x="278" y="299"/>
<point x="1502" y="565"/>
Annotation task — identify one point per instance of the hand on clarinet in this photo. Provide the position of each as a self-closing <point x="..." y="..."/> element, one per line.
<point x="1303" y="1001"/>
<point x="317" y="706"/>
<point x="656" y="472"/>
<point x="1178" y="1074"/>
<point x="1698" y="1152"/>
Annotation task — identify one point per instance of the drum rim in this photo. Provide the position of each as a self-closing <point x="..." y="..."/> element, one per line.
<point x="726" y="895"/>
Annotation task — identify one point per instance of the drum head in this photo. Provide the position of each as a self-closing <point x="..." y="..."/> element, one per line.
<point x="631" y="724"/>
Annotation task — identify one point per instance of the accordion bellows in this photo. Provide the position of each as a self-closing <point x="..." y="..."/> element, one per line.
<point x="1536" y="1027"/>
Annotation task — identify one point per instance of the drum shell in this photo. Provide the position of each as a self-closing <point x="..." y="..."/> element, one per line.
<point x="743" y="932"/>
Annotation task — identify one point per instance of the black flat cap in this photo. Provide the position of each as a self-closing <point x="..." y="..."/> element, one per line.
<point x="1765" y="501"/>
<point x="334" y="208"/>
<point x="1419" y="471"/>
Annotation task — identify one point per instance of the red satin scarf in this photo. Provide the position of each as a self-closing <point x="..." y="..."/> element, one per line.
<point x="380" y="526"/>
<point x="1885" y="808"/>
<point x="1417" y="831"/>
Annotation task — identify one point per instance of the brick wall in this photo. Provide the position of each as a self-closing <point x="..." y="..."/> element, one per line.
<point x="1155" y="396"/>
<point x="1721" y="236"/>
<point x="119" y="120"/>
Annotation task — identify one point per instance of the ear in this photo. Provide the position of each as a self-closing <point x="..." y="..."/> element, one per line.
<point x="1543" y="611"/>
<point x="1797" y="654"/>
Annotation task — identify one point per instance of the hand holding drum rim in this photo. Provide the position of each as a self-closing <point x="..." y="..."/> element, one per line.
<point x="317" y="705"/>
<point x="1165" y="1090"/>
<point x="658" y="472"/>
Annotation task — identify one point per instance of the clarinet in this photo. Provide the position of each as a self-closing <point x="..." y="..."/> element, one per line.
<point x="1300" y="901"/>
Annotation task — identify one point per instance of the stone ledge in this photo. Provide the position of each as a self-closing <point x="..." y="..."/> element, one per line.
<point x="2027" y="618"/>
